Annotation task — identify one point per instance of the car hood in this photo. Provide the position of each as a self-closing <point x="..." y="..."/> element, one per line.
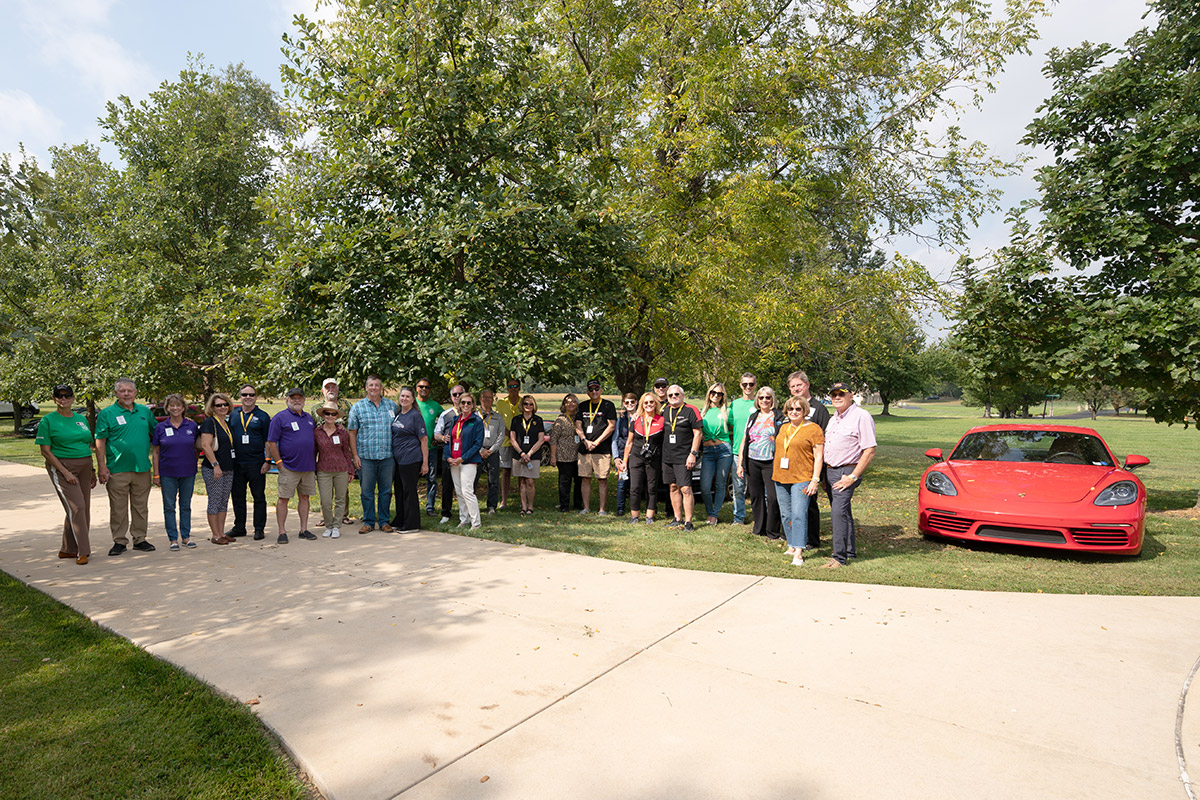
<point x="1028" y="482"/>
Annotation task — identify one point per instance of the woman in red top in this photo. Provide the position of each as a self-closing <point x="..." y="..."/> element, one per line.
<point x="641" y="454"/>
<point x="335" y="466"/>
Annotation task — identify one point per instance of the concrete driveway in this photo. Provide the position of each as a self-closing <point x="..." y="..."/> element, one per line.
<point x="438" y="666"/>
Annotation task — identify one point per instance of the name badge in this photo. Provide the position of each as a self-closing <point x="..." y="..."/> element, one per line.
<point x="170" y="431"/>
<point x="295" y="426"/>
<point x="337" y="440"/>
<point x="391" y="414"/>
<point x="589" y="430"/>
<point x="232" y="453"/>
<point x="120" y="419"/>
<point x="783" y="462"/>
<point x="671" y="438"/>
<point x="576" y="440"/>
<point x="526" y="440"/>
<point x="245" y="439"/>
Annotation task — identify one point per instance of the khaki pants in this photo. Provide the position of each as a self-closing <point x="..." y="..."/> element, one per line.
<point x="333" y="487"/>
<point x="128" y="504"/>
<point x="77" y="502"/>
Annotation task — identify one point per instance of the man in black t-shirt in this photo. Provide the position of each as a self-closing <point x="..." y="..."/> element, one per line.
<point x="681" y="450"/>
<point x="798" y="386"/>
<point x="595" y="423"/>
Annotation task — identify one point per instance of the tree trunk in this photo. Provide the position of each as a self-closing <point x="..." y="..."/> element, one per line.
<point x="633" y="374"/>
<point x="883" y="398"/>
<point x="16" y="404"/>
<point x="91" y="414"/>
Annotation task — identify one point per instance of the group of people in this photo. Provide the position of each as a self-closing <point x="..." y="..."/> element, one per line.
<point x="778" y="457"/>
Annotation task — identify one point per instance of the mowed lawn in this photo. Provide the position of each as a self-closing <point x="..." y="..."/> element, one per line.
<point x="890" y="549"/>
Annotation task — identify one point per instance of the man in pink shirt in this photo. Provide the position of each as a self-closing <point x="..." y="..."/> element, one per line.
<point x="849" y="448"/>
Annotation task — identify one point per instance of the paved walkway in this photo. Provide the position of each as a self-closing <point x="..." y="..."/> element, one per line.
<point x="438" y="666"/>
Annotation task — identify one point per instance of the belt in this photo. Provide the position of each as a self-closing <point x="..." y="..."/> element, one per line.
<point x="842" y="466"/>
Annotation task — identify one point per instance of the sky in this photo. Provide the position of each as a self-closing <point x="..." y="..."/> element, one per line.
<point x="62" y="60"/>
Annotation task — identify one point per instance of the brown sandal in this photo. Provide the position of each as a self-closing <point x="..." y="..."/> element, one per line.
<point x="221" y="540"/>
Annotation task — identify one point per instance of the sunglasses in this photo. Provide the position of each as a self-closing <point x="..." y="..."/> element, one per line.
<point x="717" y="394"/>
<point x="63" y="396"/>
<point x="220" y="405"/>
<point x="674" y="394"/>
<point x="795" y="411"/>
<point x="749" y="385"/>
<point x="456" y="394"/>
<point x="422" y="385"/>
<point x="838" y="394"/>
<point x="329" y="413"/>
<point x="249" y="394"/>
<point x="527" y="405"/>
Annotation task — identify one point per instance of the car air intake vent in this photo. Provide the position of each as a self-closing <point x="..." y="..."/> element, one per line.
<point x="945" y="522"/>
<point x="1101" y="538"/>
<point x="1020" y="534"/>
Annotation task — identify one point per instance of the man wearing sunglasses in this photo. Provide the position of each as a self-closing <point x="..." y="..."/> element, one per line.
<point x="123" y="434"/>
<point x="740" y="410"/>
<point x="849" y="447"/>
<point x="430" y="410"/>
<point x="681" y="450"/>
<point x="292" y="445"/>
<point x="249" y="425"/>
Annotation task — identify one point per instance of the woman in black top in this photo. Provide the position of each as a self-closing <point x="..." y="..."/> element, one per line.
<point x="220" y="457"/>
<point x="642" y="451"/>
<point x="756" y="463"/>
<point x="528" y="434"/>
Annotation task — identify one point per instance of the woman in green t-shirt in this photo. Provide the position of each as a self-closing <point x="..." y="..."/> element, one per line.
<point x="67" y="444"/>
<point x="717" y="455"/>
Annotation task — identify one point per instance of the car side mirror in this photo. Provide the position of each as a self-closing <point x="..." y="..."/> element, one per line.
<point x="936" y="453"/>
<point x="1133" y="462"/>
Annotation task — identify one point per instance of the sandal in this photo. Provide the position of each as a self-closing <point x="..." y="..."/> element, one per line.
<point x="220" y="540"/>
<point x="173" y="546"/>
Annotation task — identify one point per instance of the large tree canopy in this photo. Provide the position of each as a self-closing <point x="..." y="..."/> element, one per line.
<point x="1120" y="204"/>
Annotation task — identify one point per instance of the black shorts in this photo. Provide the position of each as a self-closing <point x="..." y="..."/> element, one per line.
<point x="677" y="474"/>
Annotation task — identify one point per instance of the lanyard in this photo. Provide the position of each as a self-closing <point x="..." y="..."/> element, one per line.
<point x="795" y="429"/>
<point x="225" y="428"/>
<point x="456" y="431"/>
<point x="526" y="424"/>
<point x="647" y="423"/>
<point x="594" y="409"/>
<point x="242" y="416"/>
<point x="675" y="419"/>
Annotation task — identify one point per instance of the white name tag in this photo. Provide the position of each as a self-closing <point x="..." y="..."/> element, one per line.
<point x="295" y="426"/>
<point x="170" y="431"/>
<point x="391" y="414"/>
<point x="783" y="462"/>
<point x="589" y="429"/>
<point x="337" y="440"/>
<point x="232" y="453"/>
<point x="671" y="439"/>
<point x="120" y="419"/>
<point x="245" y="439"/>
<point x="526" y="440"/>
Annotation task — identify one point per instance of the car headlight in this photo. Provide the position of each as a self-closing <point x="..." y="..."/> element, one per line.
<point x="1121" y="493"/>
<point x="938" y="483"/>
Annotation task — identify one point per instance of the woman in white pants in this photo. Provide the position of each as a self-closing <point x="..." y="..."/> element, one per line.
<point x="464" y="438"/>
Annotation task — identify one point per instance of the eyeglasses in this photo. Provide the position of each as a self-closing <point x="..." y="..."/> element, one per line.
<point x="249" y="394"/>
<point x="794" y="410"/>
<point x="422" y="385"/>
<point x="467" y="403"/>
<point x="631" y="402"/>
<point x="456" y="394"/>
<point x="674" y="394"/>
<point x="838" y="394"/>
<point x="749" y="385"/>
<point x="220" y="405"/>
<point x="527" y="405"/>
<point x="717" y="394"/>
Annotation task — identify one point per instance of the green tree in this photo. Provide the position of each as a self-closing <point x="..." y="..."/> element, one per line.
<point x="1119" y="201"/>
<point x="435" y="219"/>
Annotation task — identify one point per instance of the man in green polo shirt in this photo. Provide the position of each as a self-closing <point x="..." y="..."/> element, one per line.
<point x="123" y="433"/>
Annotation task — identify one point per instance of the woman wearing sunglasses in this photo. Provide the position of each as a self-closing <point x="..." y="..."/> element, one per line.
<point x="464" y="439"/>
<point x="717" y="455"/>
<point x="66" y="443"/>
<point x="335" y="466"/>
<point x="527" y="434"/>
<point x="220" y="458"/>
<point x="799" y="452"/>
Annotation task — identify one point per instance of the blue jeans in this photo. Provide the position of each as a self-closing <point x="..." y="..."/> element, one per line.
<point x="431" y="478"/>
<point x="180" y="488"/>
<point x="714" y="474"/>
<point x="376" y="478"/>
<point x="793" y="511"/>
<point x="739" y="493"/>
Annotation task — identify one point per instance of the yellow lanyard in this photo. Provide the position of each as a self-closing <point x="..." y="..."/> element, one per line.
<point x="456" y="431"/>
<point x="242" y="416"/>
<point x="646" y="423"/>
<point x="225" y="428"/>
<point x="788" y="440"/>
<point x="594" y="410"/>
<point x="675" y="419"/>
<point x="526" y="424"/>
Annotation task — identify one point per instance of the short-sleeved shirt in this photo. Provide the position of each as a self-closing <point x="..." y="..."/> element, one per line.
<point x="680" y="423"/>
<point x="294" y="434"/>
<point x="510" y="410"/>
<point x="818" y="413"/>
<point x="223" y="443"/>
<point x="527" y="431"/>
<point x="714" y="430"/>
<point x="408" y="429"/>
<point x="372" y="425"/>
<point x="740" y="411"/>
<point x="176" y="448"/>
<point x="67" y="437"/>
<point x="594" y="418"/>
<point x="647" y="439"/>
<point x="796" y="445"/>
<point x="846" y="436"/>
<point x="761" y="434"/>
<point x="430" y="410"/>
<point x="127" y="437"/>
<point x="250" y="435"/>
<point x="333" y="450"/>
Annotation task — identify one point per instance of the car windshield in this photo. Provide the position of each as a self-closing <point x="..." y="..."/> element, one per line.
<point x="1051" y="447"/>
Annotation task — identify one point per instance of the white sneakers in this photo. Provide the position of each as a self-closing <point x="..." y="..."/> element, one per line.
<point x="328" y="533"/>
<point x="332" y="533"/>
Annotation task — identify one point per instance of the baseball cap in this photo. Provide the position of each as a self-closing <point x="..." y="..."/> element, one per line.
<point x="594" y="383"/>
<point x="294" y="392"/>
<point x="840" y="387"/>
<point x="328" y="381"/>
<point x="661" y="382"/>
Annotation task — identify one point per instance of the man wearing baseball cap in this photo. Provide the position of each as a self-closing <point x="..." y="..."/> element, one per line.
<point x="849" y="448"/>
<point x="595" y="422"/>
<point x="291" y="444"/>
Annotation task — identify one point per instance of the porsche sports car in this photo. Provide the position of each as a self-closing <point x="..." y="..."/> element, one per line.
<point x="1055" y="486"/>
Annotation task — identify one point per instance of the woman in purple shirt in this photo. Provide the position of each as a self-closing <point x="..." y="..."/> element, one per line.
<point x="173" y="457"/>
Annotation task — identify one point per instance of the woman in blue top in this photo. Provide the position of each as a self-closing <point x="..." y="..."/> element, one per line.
<point x="464" y="438"/>
<point x="756" y="464"/>
<point x="717" y="455"/>
<point x="173" y="460"/>
<point x="410" y="449"/>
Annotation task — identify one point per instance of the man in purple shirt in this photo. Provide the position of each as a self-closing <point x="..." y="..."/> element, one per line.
<point x="293" y="448"/>
<point x="849" y="448"/>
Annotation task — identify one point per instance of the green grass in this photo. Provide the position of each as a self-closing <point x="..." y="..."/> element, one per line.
<point x="890" y="549"/>
<point x="84" y="713"/>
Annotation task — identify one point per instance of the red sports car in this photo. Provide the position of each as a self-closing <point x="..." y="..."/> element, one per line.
<point x="1053" y="486"/>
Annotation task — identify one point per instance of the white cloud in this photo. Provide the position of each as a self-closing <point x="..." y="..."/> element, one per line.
<point x="72" y="33"/>
<point x="22" y="119"/>
<point x="315" y="10"/>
